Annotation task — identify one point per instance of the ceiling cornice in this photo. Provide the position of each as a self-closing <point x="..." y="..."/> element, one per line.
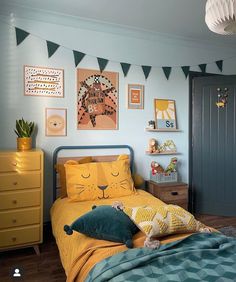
<point x="21" y="11"/>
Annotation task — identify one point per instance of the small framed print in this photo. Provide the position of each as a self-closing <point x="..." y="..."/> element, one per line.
<point x="165" y="114"/>
<point x="43" y="81"/>
<point x="55" y="121"/>
<point x="135" y="96"/>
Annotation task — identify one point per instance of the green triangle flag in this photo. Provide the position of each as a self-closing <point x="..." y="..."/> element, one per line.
<point x="78" y="56"/>
<point x="52" y="48"/>
<point x="146" y="70"/>
<point x="102" y="63"/>
<point x="125" y="67"/>
<point x="20" y="35"/>
<point x="202" y="67"/>
<point x="167" y="71"/>
<point x="185" y="70"/>
<point x="219" y="65"/>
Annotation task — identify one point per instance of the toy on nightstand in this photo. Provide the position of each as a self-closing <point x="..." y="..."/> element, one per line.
<point x="172" y="166"/>
<point x="156" y="168"/>
<point x="152" y="146"/>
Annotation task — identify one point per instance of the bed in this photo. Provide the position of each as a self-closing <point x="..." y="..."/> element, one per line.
<point x="181" y="257"/>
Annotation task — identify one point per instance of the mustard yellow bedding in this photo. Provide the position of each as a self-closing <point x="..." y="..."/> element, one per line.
<point x="80" y="253"/>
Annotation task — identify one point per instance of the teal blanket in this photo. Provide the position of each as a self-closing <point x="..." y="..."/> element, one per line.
<point x="199" y="257"/>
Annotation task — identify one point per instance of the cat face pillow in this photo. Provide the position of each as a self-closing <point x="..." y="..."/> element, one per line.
<point x="102" y="180"/>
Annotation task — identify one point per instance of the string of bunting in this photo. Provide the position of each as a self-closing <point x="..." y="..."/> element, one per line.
<point x="52" y="47"/>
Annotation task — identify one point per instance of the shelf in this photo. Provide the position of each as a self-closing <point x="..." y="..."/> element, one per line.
<point x="163" y="153"/>
<point x="163" y="130"/>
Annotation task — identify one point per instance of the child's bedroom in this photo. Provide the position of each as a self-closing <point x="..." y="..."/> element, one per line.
<point x="118" y="140"/>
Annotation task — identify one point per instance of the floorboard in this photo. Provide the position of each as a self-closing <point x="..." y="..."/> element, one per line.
<point x="47" y="267"/>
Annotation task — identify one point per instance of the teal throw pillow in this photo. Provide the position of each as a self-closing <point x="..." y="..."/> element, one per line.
<point x="105" y="223"/>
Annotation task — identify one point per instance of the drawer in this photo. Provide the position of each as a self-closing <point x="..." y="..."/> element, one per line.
<point x="174" y="194"/>
<point x="19" y="236"/>
<point x="19" y="218"/>
<point x="14" y="200"/>
<point x="20" y="161"/>
<point x="24" y="180"/>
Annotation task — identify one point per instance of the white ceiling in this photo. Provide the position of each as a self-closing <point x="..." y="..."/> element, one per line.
<point x="178" y="18"/>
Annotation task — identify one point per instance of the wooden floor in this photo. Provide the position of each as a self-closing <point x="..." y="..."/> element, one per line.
<point x="47" y="267"/>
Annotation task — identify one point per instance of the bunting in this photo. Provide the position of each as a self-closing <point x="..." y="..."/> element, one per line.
<point x="167" y="71"/>
<point x="185" y="70"/>
<point x="125" y="68"/>
<point x="78" y="57"/>
<point x="220" y="65"/>
<point x="146" y="71"/>
<point x="202" y="67"/>
<point x="20" y="35"/>
<point x="102" y="62"/>
<point x="52" y="48"/>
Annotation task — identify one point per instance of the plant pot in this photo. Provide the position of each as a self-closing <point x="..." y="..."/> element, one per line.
<point x="24" y="144"/>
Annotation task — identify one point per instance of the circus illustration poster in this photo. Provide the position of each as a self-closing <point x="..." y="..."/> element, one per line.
<point x="97" y="99"/>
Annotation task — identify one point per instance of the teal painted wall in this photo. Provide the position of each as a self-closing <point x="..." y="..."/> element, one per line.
<point x="133" y="48"/>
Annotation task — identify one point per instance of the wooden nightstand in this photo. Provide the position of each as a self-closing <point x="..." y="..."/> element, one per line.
<point x="21" y="199"/>
<point x="171" y="193"/>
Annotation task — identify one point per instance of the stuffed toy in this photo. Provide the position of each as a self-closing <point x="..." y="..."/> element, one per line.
<point x="152" y="146"/>
<point x="168" y="145"/>
<point x="156" y="168"/>
<point x="172" y="166"/>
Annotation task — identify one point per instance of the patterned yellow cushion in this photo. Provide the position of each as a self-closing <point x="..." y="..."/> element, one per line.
<point x="100" y="180"/>
<point x="163" y="220"/>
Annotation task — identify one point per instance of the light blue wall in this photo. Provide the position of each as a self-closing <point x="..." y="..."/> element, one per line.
<point x="158" y="51"/>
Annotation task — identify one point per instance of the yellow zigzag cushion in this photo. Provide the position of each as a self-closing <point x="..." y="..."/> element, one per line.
<point x="163" y="220"/>
<point x="102" y="180"/>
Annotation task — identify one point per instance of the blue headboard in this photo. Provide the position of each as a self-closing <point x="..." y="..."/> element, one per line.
<point x="97" y="147"/>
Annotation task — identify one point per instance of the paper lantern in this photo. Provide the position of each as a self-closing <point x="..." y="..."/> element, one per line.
<point x="220" y="16"/>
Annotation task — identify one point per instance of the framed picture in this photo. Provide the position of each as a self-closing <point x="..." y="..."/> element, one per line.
<point x="42" y="81"/>
<point x="165" y="114"/>
<point x="135" y="96"/>
<point x="97" y="99"/>
<point x="55" y="122"/>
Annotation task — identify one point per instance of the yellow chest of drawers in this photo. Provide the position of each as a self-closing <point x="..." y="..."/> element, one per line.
<point x="21" y="199"/>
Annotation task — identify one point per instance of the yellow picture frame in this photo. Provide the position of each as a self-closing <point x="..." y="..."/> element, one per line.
<point x="165" y="114"/>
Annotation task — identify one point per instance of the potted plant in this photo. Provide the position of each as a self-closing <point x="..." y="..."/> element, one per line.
<point x="24" y="130"/>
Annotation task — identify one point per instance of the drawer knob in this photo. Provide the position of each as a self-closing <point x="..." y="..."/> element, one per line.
<point x="14" y="201"/>
<point x="14" y="220"/>
<point x="174" y="193"/>
<point x="13" y="239"/>
<point x="15" y="183"/>
<point x="14" y="163"/>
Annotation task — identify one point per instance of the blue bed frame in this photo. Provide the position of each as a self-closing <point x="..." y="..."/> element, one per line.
<point x="58" y="149"/>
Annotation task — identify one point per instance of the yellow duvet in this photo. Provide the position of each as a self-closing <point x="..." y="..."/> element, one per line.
<point x="80" y="253"/>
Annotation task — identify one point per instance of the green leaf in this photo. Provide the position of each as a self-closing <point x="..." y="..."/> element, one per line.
<point x="24" y="128"/>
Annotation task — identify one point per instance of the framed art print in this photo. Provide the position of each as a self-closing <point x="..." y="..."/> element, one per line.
<point x="165" y="114"/>
<point x="135" y="96"/>
<point x="42" y="81"/>
<point x="97" y="99"/>
<point x="55" y="122"/>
